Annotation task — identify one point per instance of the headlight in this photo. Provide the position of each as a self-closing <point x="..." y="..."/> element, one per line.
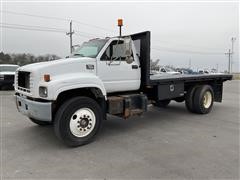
<point x="43" y="92"/>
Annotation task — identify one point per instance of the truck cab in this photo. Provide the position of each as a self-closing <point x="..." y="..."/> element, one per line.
<point x="118" y="65"/>
<point x="105" y="76"/>
<point x="99" y="63"/>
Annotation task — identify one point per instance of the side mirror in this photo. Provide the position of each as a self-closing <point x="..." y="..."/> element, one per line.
<point x="128" y="47"/>
<point x="129" y="59"/>
<point x="128" y="50"/>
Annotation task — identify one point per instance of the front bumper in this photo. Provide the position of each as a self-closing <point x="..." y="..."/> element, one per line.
<point x="41" y="111"/>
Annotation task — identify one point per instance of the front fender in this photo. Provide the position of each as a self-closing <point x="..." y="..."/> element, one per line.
<point x="71" y="81"/>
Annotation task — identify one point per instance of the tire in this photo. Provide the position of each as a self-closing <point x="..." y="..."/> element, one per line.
<point x="162" y="103"/>
<point x="189" y="99"/>
<point x="78" y="121"/>
<point x="203" y="99"/>
<point x="40" y="123"/>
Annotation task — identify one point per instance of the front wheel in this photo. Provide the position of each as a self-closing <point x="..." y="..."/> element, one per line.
<point x="189" y="99"/>
<point x="77" y="121"/>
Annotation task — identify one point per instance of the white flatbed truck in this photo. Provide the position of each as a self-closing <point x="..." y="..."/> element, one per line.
<point x="106" y="76"/>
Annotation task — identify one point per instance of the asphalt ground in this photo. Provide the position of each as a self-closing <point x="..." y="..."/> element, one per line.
<point x="163" y="143"/>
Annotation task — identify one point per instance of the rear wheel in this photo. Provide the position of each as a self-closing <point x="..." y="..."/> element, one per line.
<point x="162" y="103"/>
<point x="203" y="99"/>
<point x="189" y="99"/>
<point x="77" y="121"/>
<point x="40" y="123"/>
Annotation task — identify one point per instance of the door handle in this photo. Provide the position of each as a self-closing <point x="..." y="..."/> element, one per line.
<point x="134" y="66"/>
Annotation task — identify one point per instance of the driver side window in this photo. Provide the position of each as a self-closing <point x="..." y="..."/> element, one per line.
<point x="115" y="51"/>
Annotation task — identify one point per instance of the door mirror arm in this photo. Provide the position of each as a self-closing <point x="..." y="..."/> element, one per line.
<point x="113" y="59"/>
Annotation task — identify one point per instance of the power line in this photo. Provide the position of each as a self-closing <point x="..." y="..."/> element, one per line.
<point x="89" y="34"/>
<point x="43" y="28"/>
<point x="94" y="26"/>
<point x="83" y="34"/>
<point x="51" y="29"/>
<point x="57" y="18"/>
<point x="34" y="15"/>
<point x="31" y="26"/>
<point x="39" y="29"/>
<point x="30" y="29"/>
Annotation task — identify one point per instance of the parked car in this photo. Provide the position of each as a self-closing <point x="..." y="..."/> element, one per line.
<point x="203" y="71"/>
<point x="215" y="71"/>
<point x="7" y="73"/>
<point x="168" y="70"/>
<point x="185" y="71"/>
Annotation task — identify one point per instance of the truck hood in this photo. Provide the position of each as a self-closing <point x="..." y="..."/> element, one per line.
<point x="62" y="73"/>
<point x="56" y="64"/>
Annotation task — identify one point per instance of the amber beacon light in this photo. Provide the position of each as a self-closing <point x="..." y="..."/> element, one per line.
<point x="120" y="24"/>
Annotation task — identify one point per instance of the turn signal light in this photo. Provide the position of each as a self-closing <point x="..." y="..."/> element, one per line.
<point x="46" y="77"/>
<point x="120" y="22"/>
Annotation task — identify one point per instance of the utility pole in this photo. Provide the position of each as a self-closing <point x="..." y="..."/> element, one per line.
<point x="70" y="33"/>
<point x="229" y="60"/>
<point x="233" y="40"/>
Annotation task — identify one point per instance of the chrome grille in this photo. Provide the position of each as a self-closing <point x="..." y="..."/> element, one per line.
<point x="24" y="81"/>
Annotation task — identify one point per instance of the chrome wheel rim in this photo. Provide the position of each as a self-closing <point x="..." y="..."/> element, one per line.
<point x="82" y="122"/>
<point x="207" y="99"/>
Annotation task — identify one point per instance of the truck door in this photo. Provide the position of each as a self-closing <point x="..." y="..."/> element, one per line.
<point x="114" y="69"/>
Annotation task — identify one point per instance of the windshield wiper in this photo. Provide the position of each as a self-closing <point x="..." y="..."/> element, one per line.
<point x="78" y="55"/>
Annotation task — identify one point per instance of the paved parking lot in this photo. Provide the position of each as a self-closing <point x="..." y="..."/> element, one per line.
<point x="164" y="143"/>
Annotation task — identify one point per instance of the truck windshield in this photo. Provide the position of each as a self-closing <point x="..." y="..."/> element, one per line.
<point x="89" y="49"/>
<point x="8" y="68"/>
